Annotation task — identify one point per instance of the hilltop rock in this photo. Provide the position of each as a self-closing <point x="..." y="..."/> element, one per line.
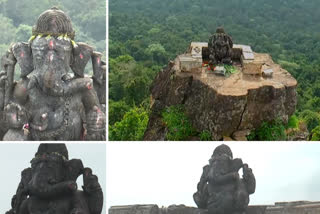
<point x="223" y="105"/>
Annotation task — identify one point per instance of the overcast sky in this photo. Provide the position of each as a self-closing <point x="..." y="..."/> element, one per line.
<point x="168" y="173"/>
<point x="16" y="157"/>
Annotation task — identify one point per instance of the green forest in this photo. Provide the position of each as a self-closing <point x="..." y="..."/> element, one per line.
<point x="88" y="19"/>
<point x="144" y="35"/>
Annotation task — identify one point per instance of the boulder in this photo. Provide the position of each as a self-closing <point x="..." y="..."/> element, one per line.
<point x="222" y="105"/>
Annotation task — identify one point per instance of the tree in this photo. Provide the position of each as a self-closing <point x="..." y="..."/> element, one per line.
<point x="316" y="134"/>
<point x="311" y="118"/>
<point x="131" y="127"/>
<point x="24" y="32"/>
<point x="7" y="30"/>
<point x="117" y="110"/>
<point x="157" y="53"/>
<point x="94" y="22"/>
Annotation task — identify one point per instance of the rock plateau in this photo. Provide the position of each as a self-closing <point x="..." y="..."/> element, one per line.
<point x="226" y="106"/>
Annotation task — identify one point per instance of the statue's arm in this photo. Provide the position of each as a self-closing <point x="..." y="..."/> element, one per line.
<point x="13" y="94"/>
<point x="230" y="41"/>
<point x="93" y="191"/>
<point x="201" y="196"/>
<point x="249" y="179"/>
<point x="237" y="164"/>
<point x="95" y="96"/>
<point x="22" y="191"/>
<point x="8" y="62"/>
<point x="75" y="169"/>
<point x="3" y="78"/>
<point x="99" y="76"/>
<point x="203" y="178"/>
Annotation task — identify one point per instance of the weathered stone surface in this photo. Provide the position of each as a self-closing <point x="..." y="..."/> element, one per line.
<point x="240" y="135"/>
<point x="220" y="48"/>
<point x="256" y="210"/>
<point x="52" y="99"/>
<point x="49" y="185"/>
<point x="182" y="209"/>
<point x="221" y="189"/>
<point x="252" y="68"/>
<point x="135" y="209"/>
<point x="227" y="138"/>
<point x="300" y="207"/>
<point x="196" y="49"/>
<point x="223" y="105"/>
<point x="190" y="64"/>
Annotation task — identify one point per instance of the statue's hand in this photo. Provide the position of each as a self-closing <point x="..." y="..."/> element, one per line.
<point x="90" y="181"/>
<point x="93" y="190"/>
<point x="249" y="179"/>
<point x="96" y="123"/>
<point x="246" y="170"/>
<point x="3" y="79"/>
<point x="15" y="115"/>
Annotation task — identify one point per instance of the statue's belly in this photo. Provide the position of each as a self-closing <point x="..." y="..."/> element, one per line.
<point x="55" y="117"/>
<point x="57" y="206"/>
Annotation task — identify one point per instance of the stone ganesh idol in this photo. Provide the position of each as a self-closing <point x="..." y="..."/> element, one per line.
<point x="50" y="187"/>
<point x="220" y="47"/>
<point x="49" y="102"/>
<point x="221" y="190"/>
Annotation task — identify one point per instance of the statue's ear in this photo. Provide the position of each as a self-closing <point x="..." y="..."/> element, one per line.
<point x="74" y="168"/>
<point x="22" y="52"/>
<point x="81" y="55"/>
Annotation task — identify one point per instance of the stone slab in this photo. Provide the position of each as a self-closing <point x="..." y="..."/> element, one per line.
<point x="252" y="67"/>
<point x="135" y="209"/>
<point x="196" y="49"/>
<point x="189" y="63"/>
<point x="267" y="72"/>
<point x="245" y="50"/>
<point x="239" y="84"/>
<point x="257" y="209"/>
<point x="301" y="207"/>
<point x="248" y="55"/>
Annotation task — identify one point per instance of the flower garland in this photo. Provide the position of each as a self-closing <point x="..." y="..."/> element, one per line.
<point x="48" y="36"/>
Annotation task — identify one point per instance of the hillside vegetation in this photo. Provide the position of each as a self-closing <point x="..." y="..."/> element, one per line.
<point x="88" y="18"/>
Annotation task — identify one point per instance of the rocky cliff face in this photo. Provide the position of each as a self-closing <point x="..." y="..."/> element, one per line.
<point x="224" y="106"/>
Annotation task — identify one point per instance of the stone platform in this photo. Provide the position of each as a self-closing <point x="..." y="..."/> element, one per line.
<point x="225" y="106"/>
<point x="239" y="84"/>
<point x="296" y="207"/>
